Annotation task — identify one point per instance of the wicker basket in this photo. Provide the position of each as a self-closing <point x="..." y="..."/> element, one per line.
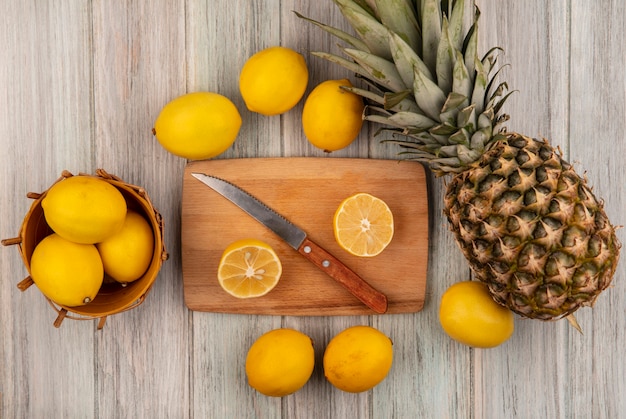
<point x="113" y="297"/>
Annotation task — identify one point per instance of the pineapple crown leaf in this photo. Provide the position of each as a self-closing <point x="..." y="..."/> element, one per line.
<point x="406" y="59"/>
<point x="347" y="64"/>
<point x="431" y="31"/>
<point x="344" y="36"/>
<point x="371" y="31"/>
<point x="425" y="80"/>
<point x="456" y="24"/>
<point x="399" y="18"/>
<point x="379" y="69"/>
<point x="446" y="58"/>
<point x="429" y="97"/>
<point x="400" y="101"/>
<point x="369" y="6"/>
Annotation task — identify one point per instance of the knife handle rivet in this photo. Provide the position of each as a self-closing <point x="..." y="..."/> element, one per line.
<point x="307" y="249"/>
<point x="325" y="264"/>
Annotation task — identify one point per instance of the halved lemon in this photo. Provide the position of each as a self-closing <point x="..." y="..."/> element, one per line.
<point x="249" y="268"/>
<point x="363" y="225"/>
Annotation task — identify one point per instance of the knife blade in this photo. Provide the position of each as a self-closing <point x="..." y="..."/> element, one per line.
<point x="298" y="239"/>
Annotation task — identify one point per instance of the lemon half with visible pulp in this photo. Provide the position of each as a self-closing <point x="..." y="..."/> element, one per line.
<point x="249" y="268"/>
<point x="363" y="225"/>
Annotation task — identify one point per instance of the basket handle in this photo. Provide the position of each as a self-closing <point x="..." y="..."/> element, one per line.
<point x="25" y="283"/>
<point x="64" y="314"/>
<point x="12" y="241"/>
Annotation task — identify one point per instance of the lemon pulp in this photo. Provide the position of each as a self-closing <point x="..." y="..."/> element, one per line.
<point x="249" y="268"/>
<point x="363" y="225"/>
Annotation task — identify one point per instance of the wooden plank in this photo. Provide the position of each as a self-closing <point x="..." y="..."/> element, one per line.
<point x="139" y="56"/>
<point x="221" y="35"/>
<point x="45" y="127"/>
<point x="538" y="109"/>
<point x="596" y="147"/>
<point x="560" y="53"/>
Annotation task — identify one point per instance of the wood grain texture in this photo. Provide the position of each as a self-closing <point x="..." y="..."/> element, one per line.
<point x="81" y="84"/>
<point x="138" y="66"/>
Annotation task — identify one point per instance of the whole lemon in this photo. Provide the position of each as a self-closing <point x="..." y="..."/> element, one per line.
<point x="469" y="315"/>
<point x="198" y="125"/>
<point x="358" y="358"/>
<point x="84" y="209"/>
<point x="332" y="117"/>
<point x="68" y="273"/>
<point x="273" y="80"/>
<point x="280" y="362"/>
<point x="127" y="254"/>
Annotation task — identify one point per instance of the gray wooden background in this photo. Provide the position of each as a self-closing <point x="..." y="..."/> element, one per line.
<point x="81" y="83"/>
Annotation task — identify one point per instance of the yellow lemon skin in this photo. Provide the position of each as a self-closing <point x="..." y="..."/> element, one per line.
<point x="84" y="209"/>
<point x="198" y="125"/>
<point x="68" y="273"/>
<point x="358" y="359"/>
<point x="127" y="254"/>
<point x="280" y="362"/>
<point x="332" y="117"/>
<point x="273" y="80"/>
<point x="469" y="315"/>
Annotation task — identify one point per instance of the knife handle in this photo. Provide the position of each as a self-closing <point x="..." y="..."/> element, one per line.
<point x="372" y="298"/>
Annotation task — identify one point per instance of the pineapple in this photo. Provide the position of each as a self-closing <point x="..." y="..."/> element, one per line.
<point x="529" y="225"/>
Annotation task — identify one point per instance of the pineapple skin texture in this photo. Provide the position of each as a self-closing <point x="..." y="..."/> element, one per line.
<point x="532" y="229"/>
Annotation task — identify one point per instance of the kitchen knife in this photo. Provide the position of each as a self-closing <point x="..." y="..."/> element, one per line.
<point x="297" y="238"/>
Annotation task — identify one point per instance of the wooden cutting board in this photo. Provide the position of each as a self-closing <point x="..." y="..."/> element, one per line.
<point x="307" y="191"/>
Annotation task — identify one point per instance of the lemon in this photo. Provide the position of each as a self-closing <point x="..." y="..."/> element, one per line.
<point x="84" y="209"/>
<point x="280" y="362"/>
<point x="332" y="117"/>
<point x="68" y="273"/>
<point x="358" y="358"/>
<point x="363" y="225"/>
<point x="127" y="254"/>
<point x="273" y="80"/>
<point x="198" y="125"/>
<point x="249" y="268"/>
<point x="469" y="315"/>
